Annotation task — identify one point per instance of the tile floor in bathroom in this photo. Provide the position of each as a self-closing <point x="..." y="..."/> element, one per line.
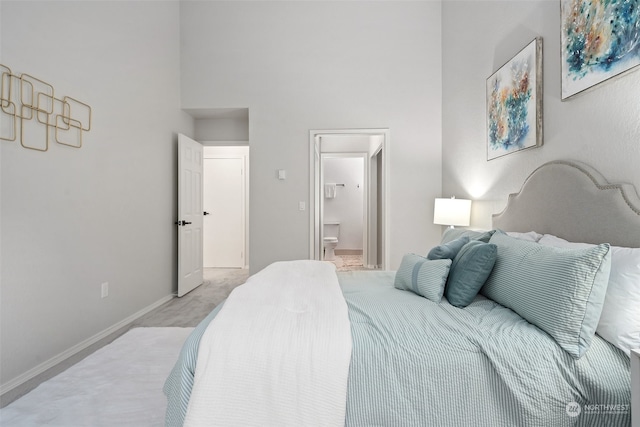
<point x="349" y="262"/>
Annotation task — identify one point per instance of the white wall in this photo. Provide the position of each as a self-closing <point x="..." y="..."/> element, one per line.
<point x="322" y="65"/>
<point x="600" y="128"/>
<point x="230" y="130"/>
<point x="74" y="218"/>
<point x="348" y="205"/>
<point x="345" y="143"/>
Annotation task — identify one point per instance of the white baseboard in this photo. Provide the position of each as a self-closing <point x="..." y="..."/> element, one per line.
<point x="33" y="372"/>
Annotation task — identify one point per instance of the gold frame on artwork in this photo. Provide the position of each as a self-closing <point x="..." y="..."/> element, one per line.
<point x="30" y="100"/>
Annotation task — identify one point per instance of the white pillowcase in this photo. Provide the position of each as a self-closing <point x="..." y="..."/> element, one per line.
<point x="620" y="319"/>
<point x="529" y="236"/>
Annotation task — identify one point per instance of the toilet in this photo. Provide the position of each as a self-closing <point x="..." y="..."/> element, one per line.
<point x="331" y="234"/>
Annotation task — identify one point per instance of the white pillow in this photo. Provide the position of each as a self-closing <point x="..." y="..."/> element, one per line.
<point x="529" y="236"/>
<point x="620" y="319"/>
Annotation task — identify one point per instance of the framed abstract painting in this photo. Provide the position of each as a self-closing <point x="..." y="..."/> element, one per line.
<point x="514" y="103"/>
<point x="600" y="40"/>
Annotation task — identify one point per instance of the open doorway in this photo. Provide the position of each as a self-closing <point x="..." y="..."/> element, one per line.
<point x="370" y="145"/>
<point x="226" y="206"/>
<point x="344" y="206"/>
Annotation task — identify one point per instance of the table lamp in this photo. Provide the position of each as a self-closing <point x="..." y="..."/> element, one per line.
<point x="452" y="212"/>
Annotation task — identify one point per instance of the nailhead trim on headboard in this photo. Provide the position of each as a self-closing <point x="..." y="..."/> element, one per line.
<point x="574" y="211"/>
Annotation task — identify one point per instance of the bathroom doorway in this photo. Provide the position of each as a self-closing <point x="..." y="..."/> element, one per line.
<point x="344" y="202"/>
<point x="370" y="145"/>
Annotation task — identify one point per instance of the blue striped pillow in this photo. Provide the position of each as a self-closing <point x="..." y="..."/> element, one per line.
<point x="559" y="290"/>
<point x="423" y="276"/>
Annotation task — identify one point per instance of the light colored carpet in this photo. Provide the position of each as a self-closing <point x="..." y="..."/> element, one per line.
<point x="187" y="311"/>
<point x="118" y="385"/>
<point x="190" y="309"/>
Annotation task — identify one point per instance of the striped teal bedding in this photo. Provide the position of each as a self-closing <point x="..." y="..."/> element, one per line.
<point x="418" y="363"/>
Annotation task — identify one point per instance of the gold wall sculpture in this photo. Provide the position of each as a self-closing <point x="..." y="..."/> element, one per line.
<point x="28" y="107"/>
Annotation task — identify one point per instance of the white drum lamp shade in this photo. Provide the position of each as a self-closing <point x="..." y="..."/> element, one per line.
<point x="452" y="212"/>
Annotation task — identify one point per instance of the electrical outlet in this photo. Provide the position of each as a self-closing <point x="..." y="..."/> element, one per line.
<point x="105" y="290"/>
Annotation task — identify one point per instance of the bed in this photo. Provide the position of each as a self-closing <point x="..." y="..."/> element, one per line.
<point x="421" y="351"/>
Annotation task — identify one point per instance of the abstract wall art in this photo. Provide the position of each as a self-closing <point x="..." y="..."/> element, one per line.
<point x="33" y="114"/>
<point x="600" y="40"/>
<point x="514" y="103"/>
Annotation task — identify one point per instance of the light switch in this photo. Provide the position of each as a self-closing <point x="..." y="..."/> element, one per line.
<point x="282" y="174"/>
<point x="301" y="206"/>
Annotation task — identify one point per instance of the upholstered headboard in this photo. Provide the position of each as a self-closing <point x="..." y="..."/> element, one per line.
<point x="573" y="201"/>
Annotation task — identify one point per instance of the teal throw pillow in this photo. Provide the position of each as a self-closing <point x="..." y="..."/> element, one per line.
<point x="455" y="233"/>
<point x="423" y="276"/>
<point x="448" y="250"/>
<point x="469" y="270"/>
<point x="559" y="290"/>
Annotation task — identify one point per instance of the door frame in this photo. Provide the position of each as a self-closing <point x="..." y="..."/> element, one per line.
<point x="315" y="190"/>
<point x="233" y="152"/>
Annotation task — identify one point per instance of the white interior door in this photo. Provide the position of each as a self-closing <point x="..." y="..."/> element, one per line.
<point x="189" y="214"/>
<point x="224" y="226"/>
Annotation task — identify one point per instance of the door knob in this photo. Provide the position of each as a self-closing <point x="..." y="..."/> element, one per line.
<point x="179" y="223"/>
<point x="206" y="213"/>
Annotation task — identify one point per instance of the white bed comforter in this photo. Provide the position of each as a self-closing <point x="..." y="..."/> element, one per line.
<point x="278" y="352"/>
